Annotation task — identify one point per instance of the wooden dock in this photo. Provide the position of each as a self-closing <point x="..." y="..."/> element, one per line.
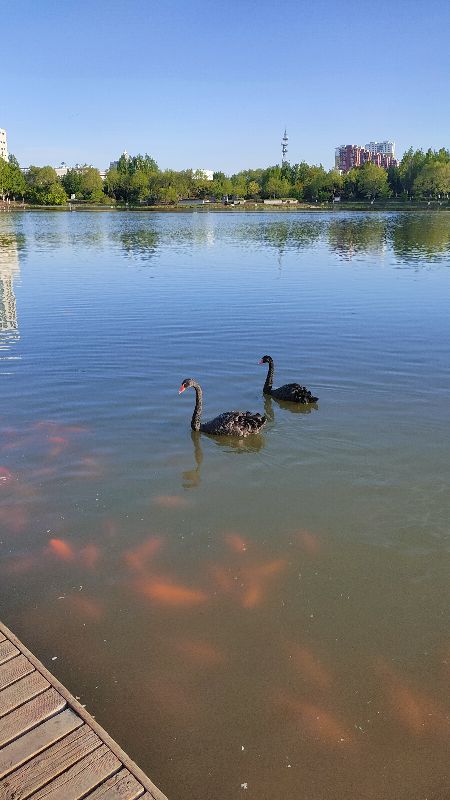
<point x="50" y="746"/>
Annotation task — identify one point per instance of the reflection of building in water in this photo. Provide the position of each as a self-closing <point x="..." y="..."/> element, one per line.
<point x="9" y="268"/>
<point x="203" y="230"/>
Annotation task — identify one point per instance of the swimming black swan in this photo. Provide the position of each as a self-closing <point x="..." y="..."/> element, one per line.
<point x="230" y="423"/>
<point x="291" y="392"/>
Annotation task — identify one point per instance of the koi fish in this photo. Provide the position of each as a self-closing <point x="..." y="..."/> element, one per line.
<point x="61" y="549"/>
<point x="168" y="593"/>
<point x="87" y="607"/>
<point x="235" y="542"/>
<point x="415" y="711"/>
<point x="252" y="596"/>
<point x="89" y="555"/>
<point x="254" y="578"/>
<point x="322" y="725"/>
<point x="310" y="542"/>
<point x="223" y="578"/>
<point x="139" y="556"/>
<point x="200" y="653"/>
<point x="316" y="721"/>
<point x="309" y="666"/>
<point x="171" y="501"/>
<point x="270" y="567"/>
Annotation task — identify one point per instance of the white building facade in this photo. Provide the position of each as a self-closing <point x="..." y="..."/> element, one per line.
<point x="385" y="148"/>
<point x="3" y="145"/>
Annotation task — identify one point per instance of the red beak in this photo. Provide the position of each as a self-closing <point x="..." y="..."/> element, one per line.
<point x="181" y="389"/>
<point x="261" y="362"/>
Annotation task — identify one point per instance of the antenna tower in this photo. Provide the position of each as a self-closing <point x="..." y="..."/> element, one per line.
<point x="284" y="148"/>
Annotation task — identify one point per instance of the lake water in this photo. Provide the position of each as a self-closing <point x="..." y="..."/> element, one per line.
<point x="264" y="618"/>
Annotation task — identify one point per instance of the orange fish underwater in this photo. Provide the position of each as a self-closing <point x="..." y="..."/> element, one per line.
<point x="168" y="593"/>
<point x="138" y="558"/>
<point x="171" y="501"/>
<point x="61" y="549"/>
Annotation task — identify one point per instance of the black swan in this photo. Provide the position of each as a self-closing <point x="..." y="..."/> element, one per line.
<point x="290" y="392"/>
<point x="230" y="423"/>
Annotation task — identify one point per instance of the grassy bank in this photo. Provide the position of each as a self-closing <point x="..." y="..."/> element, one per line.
<point x="248" y="206"/>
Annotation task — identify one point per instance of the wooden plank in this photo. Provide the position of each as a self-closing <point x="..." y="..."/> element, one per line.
<point x="2" y="637"/>
<point x="7" y="651"/>
<point x="47" y="766"/>
<point x="21" y="691"/>
<point x="29" y="715"/>
<point x="13" y="670"/>
<point x="81" y="778"/>
<point x="122" y="786"/>
<point x="152" y="791"/>
<point x="30" y="744"/>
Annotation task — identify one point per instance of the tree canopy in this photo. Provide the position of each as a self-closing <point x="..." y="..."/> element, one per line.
<point x="137" y="179"/>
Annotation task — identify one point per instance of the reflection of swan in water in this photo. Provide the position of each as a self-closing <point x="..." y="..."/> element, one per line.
<point x="294" y="408"/>
<point x="191" y="477"/>
<point x="290" y="392"/>
<point x="234" y="445"/>
<point x="230" y="423"/>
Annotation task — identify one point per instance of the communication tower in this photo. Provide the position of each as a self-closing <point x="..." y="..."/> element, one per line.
<point x="284" y="148"/>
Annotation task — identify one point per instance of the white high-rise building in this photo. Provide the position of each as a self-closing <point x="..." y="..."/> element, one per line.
<point x="385" y="148"/>
<point x="3" y="145"/>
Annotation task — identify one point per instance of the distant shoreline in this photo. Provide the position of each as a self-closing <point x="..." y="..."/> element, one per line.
<point x="247" y="207"/>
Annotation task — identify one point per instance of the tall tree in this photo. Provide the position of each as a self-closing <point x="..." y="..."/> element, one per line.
<point x="372" y="181"/>
<point x="71" y="182"/>
<point x="12" y="181"/>
<point x="433" y="180"/>
<point x="277" y="187"/>
<point x="409" y="168"/>
<point x="43" y="186"/>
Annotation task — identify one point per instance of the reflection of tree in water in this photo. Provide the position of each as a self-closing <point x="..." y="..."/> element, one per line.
<point x="141" y="244"/>
<point x="350" y="237"/>
<point x="416" y="235"/>
<point x="59" y="229"/>
<point x="282" y="235"/>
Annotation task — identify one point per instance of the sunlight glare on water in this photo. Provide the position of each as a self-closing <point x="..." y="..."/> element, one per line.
<point x="264" y="617"/>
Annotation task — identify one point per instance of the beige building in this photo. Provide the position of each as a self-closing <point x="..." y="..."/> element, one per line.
<point x="3" y="145"/>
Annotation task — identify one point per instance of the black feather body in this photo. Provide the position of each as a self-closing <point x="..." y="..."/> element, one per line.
<point x="230" y="423"/>
<point x="290" y="392"/>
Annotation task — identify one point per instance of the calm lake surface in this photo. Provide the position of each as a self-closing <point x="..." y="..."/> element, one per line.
<point x="258" y="619"/>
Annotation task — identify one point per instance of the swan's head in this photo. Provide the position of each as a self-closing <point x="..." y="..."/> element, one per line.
<point x="266" y="360"/>
<point x="186" y="384"/>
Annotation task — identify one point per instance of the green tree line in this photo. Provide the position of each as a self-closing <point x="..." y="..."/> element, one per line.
<point x="137" y="179"/>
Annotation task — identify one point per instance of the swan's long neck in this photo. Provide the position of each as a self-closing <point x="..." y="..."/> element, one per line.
<point x="268" y="384"/>
<point x="195" y="421"/>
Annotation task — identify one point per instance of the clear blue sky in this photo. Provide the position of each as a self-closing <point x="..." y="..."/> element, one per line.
<point x="212" y="84"/>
